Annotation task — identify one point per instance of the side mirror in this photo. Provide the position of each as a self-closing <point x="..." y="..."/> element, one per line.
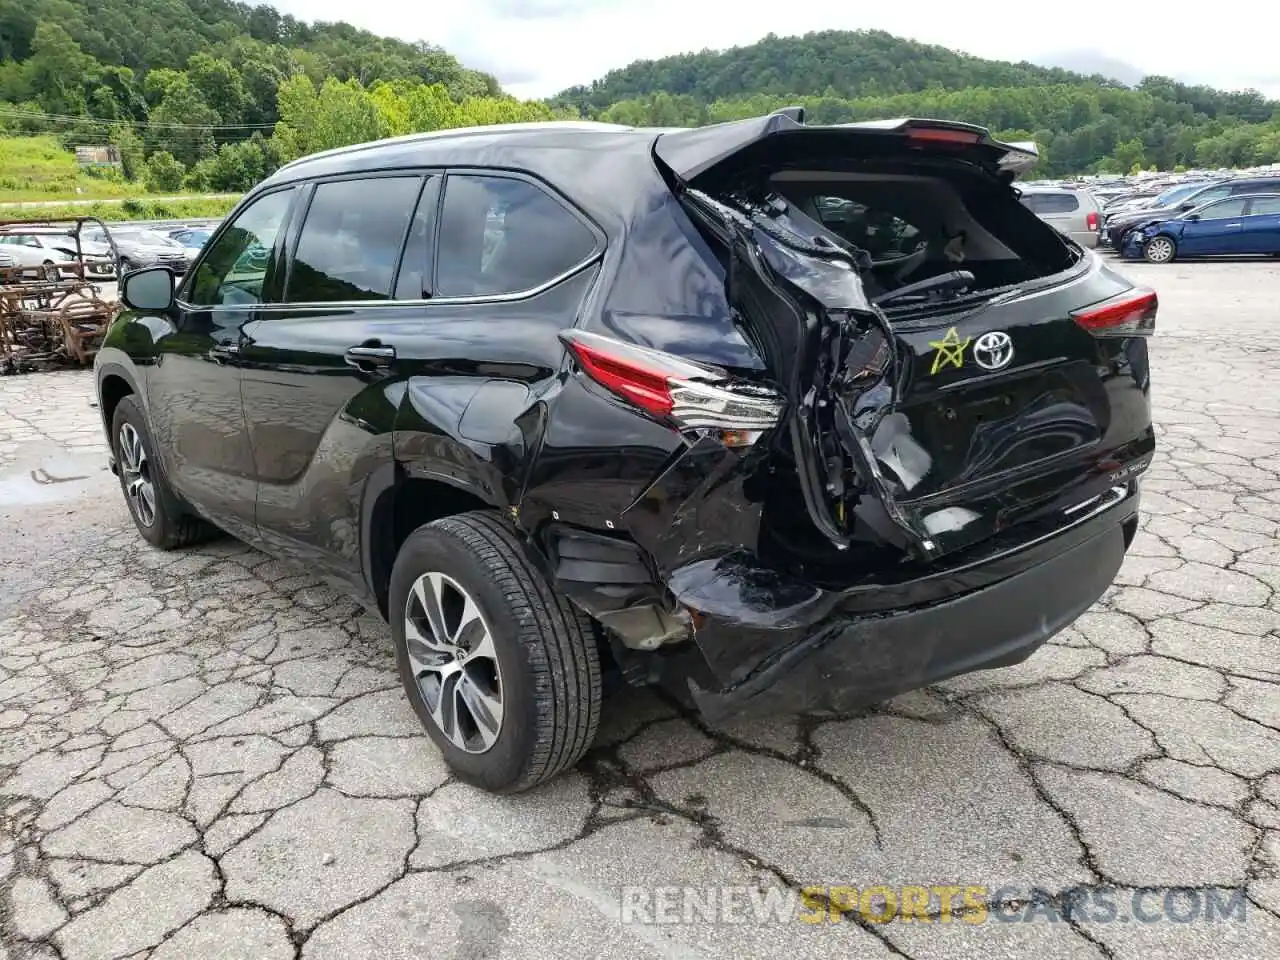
<point x="1192" y="218"/>
<point x="150" y="289"/>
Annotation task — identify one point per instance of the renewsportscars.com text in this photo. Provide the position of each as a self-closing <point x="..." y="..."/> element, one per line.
<point x="936" y="903"/>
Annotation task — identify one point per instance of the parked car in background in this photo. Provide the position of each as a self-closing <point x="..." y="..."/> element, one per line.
<point x="1076" y="213"/>
<point x="1234" y="226"/>
<point x="49" y="245"/>
<point x="142" y="247"/>
<point x="191" y="239"/>
<point x="25" y="252"/>
<point x="561" y="396"/>
<point x="1115" y="227"/>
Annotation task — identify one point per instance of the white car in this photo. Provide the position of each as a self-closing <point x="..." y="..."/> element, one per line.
<point x="36" y="248"/>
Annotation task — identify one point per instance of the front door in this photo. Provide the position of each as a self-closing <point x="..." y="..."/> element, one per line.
<point x="1217" y="231"/>
<point x="317" y="365"/>
<point x="193" y="387"/>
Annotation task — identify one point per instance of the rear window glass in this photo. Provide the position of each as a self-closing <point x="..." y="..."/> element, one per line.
<point x="351" y="240"/>
<point x="499" y="235"/>
<point x="1266" y="205"/>
<point x="1043" y="203"/>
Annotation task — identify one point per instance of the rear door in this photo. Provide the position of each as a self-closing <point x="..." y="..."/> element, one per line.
<point x="1261" y="231"/>
<point x="315" y="363"/>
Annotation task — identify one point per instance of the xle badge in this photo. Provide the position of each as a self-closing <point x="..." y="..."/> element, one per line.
<point x="950" y="351"/>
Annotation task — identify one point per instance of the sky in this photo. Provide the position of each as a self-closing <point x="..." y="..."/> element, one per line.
<point x="538" y="47"/>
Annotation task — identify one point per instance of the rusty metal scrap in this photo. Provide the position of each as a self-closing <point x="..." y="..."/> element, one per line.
<point x="51" y="314"/>
<point x="49" y="322"/>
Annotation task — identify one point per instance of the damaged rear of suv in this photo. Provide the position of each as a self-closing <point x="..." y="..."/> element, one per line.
<point x="781" y="417"/>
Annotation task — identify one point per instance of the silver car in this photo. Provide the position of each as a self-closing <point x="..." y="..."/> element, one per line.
<point x="1077" y="213"/>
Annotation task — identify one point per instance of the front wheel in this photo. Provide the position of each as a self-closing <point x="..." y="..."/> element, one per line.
<point x="1159" y="249"/>
<point x="156" y="510"/>
<point x="501" y="670"/>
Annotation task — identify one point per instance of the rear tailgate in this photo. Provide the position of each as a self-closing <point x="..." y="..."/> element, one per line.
<point x="930" y="430"/>
<point x="1021" y="409"/>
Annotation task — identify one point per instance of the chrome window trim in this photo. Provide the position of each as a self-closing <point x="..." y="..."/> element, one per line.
<point x="334" y="305"/>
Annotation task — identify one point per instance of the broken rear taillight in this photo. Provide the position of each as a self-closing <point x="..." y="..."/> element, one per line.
<point x="684" y="394"/>
<point x="1131" y="314"/>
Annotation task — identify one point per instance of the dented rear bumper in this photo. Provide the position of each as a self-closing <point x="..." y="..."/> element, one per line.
<point x="771" y="645"/>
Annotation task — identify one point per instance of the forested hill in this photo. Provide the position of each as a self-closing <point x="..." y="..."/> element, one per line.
<point x="213" y="95"/>
<point x="841" y="63"/>
<point x="1080" y="123"/>
<point x="149" y="34"/>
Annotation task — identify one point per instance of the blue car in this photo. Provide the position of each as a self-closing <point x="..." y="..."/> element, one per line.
<point x="1230" y="227"/>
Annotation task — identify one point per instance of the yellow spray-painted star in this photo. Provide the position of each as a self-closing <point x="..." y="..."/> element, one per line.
<point x="950" y="351"/>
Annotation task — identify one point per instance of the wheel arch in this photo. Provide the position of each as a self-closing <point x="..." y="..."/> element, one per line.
<point x="400" y="498"/>
<point x="114" y="384"/>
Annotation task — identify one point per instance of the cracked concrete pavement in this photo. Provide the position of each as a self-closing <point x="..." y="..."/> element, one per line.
<point x="206" y="754"/>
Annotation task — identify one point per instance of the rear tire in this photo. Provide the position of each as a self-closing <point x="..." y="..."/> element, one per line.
<point x="506" y="679"/>
<point x="156" y="510"/>
<point x="1160" y="249"/>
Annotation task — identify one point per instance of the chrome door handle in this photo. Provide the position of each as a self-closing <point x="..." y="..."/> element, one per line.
<point x="224" y="351"/>
<point x="368" y="355"/>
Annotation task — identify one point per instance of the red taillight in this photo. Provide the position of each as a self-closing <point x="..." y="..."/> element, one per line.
<point x="681" y="393"/>
<point x="943" y="135"/>
<point x="1131" y="314"/>
<point x="648" y="389"/>
<point x="1091" y="221"/>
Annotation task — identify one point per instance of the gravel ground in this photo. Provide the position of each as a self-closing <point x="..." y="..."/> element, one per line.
<point x="206" y="754"/>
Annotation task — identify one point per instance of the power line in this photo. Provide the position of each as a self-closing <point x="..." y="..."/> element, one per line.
<point x="15" y="113"/>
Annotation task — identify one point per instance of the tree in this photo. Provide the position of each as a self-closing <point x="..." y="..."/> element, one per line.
<point x="58" y="71"/>
<point x="183" y="123"/>
<point x="164" y="173"/>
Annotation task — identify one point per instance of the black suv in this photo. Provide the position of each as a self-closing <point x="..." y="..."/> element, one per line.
<point x="781" y="417"/>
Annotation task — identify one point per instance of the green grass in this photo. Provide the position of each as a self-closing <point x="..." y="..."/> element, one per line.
<point x="38" y="169"/>
<point x="131" y="209"/>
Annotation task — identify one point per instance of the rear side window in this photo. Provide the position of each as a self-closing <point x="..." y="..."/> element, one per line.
<point x="1265" y="205"/>
<point x="351" y="240"/>
<point x="1048" y="203"/>
<point x="1251" y="186"/>
<point x="499" y="235"/>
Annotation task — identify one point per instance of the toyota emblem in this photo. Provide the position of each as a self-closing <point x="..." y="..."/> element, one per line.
<point x="993" y="351"/>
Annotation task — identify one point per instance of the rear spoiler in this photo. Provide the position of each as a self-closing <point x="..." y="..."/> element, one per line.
<point x="689" y="153"/>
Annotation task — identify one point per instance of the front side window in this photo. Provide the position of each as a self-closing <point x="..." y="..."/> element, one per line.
<point x="234" y="271"/>
<point x="499" y="235"/>
<point x="351" y="240"/>
<point x="1224" y="209"/>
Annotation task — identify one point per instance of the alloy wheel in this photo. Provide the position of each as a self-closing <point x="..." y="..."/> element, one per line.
<point x="454" y="662"/>
<point x="1159" y="250"/>
<point x="136" y="469"/>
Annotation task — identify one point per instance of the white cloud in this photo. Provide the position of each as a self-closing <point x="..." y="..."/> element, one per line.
<point x="539" y="47"/>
